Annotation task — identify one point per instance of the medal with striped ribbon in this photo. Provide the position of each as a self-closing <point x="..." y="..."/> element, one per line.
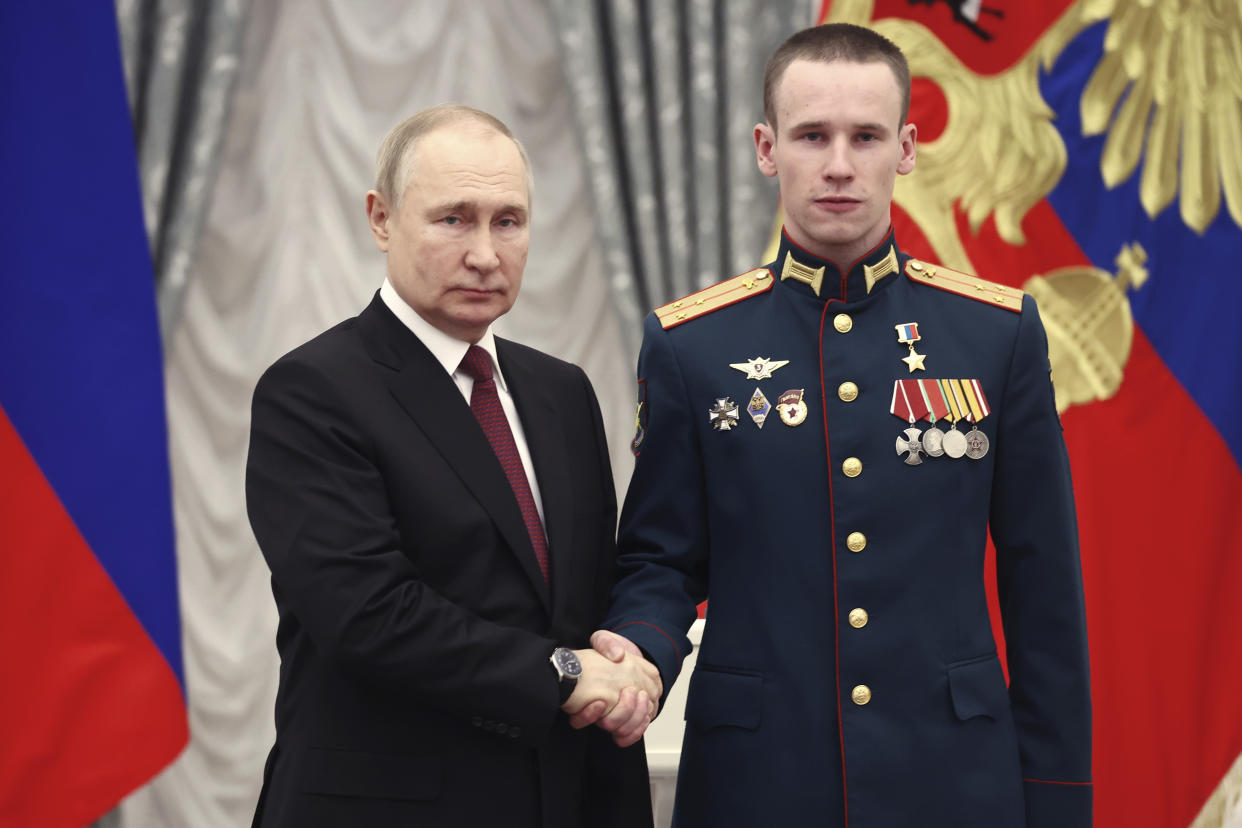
<point x="908" y="404"/>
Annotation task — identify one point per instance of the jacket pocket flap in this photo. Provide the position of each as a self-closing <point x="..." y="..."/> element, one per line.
<point x="374" y="775"/>
<point x="724" y="700"/>
<point x="978" y="689"/>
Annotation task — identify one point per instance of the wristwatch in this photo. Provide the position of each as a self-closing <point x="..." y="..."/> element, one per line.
<point x="568" y="669"/>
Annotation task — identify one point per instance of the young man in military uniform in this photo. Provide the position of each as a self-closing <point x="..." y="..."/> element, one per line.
<point x="848" y="673"/>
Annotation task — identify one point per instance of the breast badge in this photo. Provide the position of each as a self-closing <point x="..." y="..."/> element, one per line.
<point x="759" y="368"/>
<point x="723" y="415"/>
<point x="758" y="407"/>
<point x="791" y="408"/>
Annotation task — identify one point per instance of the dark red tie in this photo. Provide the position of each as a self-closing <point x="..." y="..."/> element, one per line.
<point x="485" y="403"/>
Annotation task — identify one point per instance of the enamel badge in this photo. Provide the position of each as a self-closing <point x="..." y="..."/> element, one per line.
<point x="791" y="407"/>
<point x="758" y="407"/>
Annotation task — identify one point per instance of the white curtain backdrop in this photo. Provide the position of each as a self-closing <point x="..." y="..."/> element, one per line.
<point x="285" y="254"/>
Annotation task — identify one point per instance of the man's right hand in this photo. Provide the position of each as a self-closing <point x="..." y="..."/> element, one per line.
<point x="624" y="692"/>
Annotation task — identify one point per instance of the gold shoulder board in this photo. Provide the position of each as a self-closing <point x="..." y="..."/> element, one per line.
<point x="963" y="284"/>
<point x="751" y="283"/>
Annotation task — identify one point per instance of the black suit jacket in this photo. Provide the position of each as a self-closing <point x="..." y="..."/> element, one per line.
<point x="415" y="626"/>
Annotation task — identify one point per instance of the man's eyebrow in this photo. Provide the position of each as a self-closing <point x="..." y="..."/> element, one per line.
<point x="450" y="206"/>
<point x="803" y="126"/>
<point x="467" y="206"/>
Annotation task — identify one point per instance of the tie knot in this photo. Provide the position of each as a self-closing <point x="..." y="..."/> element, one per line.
<point x="477" y="363"/>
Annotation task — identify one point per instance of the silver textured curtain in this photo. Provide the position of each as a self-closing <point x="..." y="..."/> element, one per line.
<point x="665" y="97"/>
<point x="181" y="59"/>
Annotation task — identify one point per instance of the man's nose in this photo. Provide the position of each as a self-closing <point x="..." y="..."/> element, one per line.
<point x="481" y="254"/>
<point x="838" y="162"/>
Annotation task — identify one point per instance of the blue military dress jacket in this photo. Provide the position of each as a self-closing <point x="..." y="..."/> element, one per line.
<point x="848" y="674"/>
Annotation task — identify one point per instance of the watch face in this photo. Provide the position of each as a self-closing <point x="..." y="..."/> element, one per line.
<point x="568" y="663"/>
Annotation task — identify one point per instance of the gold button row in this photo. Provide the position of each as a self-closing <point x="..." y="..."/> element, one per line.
<point x="855" y="541"/>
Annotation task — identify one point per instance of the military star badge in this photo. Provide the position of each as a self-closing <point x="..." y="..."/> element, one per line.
<point x="759" y="368"/>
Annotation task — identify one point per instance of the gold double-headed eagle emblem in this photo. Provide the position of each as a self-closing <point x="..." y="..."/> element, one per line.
<point x="1168" y="93"/>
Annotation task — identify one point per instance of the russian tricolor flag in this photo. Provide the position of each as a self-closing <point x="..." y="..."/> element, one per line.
<point x="92" y="701"/>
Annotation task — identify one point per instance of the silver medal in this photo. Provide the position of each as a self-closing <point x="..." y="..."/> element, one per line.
<point x="954" y="443"/>
<point x="976" y="444"/>
<point x="910" y="443"/>
<point x="933" y="442"/>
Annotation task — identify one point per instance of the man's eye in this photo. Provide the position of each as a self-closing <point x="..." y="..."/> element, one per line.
<point x="451" y="220"/>
<point x="813" y="136"/>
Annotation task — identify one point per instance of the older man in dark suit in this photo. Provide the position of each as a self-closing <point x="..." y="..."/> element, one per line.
<point x="437" y="509"/>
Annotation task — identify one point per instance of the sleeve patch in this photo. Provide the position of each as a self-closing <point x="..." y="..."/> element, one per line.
<point x="640" y="419"/>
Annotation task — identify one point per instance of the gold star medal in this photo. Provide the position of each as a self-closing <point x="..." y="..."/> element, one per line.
<point x="759" y="368"/>
<point x="908" y="334"/>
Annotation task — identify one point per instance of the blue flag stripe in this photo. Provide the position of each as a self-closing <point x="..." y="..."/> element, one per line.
<point x="82" y="373"/>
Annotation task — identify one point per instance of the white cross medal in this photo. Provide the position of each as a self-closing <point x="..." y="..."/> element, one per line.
<point x="908" y="405"/>
<point x="723" y="415"/>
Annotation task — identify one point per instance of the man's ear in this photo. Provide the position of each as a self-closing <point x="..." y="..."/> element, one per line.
<point x="378" y="215"/>
<point x="908" y="139"/>
<point x="765" y="145"/>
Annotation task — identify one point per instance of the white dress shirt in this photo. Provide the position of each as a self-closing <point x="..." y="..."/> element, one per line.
<point x="450" y="352"/>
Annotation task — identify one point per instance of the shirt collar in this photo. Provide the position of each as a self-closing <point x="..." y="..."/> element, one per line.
<point x="448" y="350"/>
<point x="820" y="277"/>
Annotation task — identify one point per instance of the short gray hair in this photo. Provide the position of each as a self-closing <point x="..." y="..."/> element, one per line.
<point x="392" y="163"/>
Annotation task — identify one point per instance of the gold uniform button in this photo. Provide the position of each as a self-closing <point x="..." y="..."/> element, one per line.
<point x="847" y="391"/>
<point x="858" y="618"/>
<point x="861" y="694"/>
<point x="852" y="467"/>
<point x="856" y="541"/>
<point x="842" y="322"/>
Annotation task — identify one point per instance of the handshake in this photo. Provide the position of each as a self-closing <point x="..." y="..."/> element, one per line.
<point x="618" y="690"/>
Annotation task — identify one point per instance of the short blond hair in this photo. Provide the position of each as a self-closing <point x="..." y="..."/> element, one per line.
<point x="396" y="152"/>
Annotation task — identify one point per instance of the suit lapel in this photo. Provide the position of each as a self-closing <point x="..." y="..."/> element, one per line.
<point x="431" y="398"/>
<point x="541" y="418"/>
